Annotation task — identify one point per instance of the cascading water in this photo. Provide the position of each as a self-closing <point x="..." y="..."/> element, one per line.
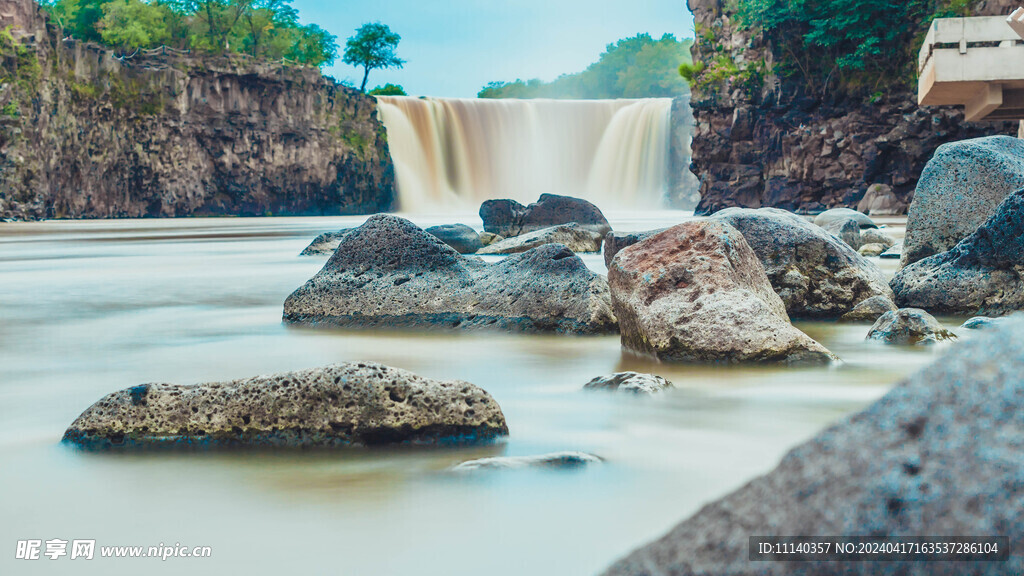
<point x="459" y="152"/>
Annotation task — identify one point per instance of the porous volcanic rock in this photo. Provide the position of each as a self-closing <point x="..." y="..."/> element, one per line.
<point x="462" y="238"/>
<point x="871" y="250"/>
<point x="325" y="243"/>
<point x="573" y="236"/>
<point x="509" y="218"/>
<point x="829" y="217"/>
<point x="616" y="241"/>
<point x="869" y="310"/>
<point x="846" y="230"/>
<point x="631" y="382"/>
<point x="876" y="236"/>
<point x="909" y="326"/>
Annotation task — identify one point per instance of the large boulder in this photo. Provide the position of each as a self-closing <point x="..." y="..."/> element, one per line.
<point x="697" y="293"/>
<point x="352" y="404"/>
<point x="509" y="218"/>
<point x="959" y="189"/>
<point x="390" y="273"/>
<point x="614" y="242"/>
<point x="980" y="275"/>
<point x="462" y="238"/>
<point x="909" y="326"/>
<point x="940" y="455"/>
<point x="829" y="217"/>
<point x="325" y="243"/>
<point x="880" y="200"/>
<point x="816" y="274"/>
<point x="573" y="236"/>
<point x="630" y="382"/>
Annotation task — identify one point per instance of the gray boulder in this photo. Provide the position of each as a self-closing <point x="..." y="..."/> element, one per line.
<point x="509" y="218"/>
<point x="390" y="273"/>
<point x="909" y="326"/>
<point x="554" y="461"/>
<point x="572" y="236"/>
<point x="870" y="250"/>
<point x="486" y="238"/>
<point x="869" y="310"/>
<point x="325" y="244"/>
<point x="631" y="382"/>
<point x="960" y="188"/>
<point x="829" y="217"/>
<point x="939" y="455"/>
<point x="462" y="238"/>
<point x="616" y="241"/>
<point x="981" y="323"/>
<point x="880" y="200"/>
<point x="980" y="275"/>
<point x="697" y="293"/>
<point x="876" y="236"/>
<point x="816" y="275"/>
<point x="352" y="404"/>
<point x="893" y="253"/>
<point x="846" y="230"/>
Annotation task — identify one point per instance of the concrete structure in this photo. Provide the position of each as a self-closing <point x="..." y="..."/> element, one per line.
<point x="977" y="63"/>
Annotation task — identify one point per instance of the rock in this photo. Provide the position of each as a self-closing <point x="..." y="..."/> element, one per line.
<point x="389" y="273"/>
<point x="464" y="239"/>
<point x="980" y="275"/>
<point x="325" y="243"/>
<point x="846" y="230"/>
<point x="876" y="236"/>
<point x="960" y="188"/>
<point x="828" y="217"/>
<point x="509" y="218"/>
<point x="880" y="200"/>
<point x="981" y="323"/>
<point x="616" y="241"/>
<point x="557" y="460"/>
<point x="573" y="236"/>
<point x="631" y="382"/>
<point x="893" y="253"/>
<point x="486" y="238"/>
<point x="816" y="274"/>
<point x="697" y="293"/>
<point x="871" y="250"/>
<point x="364" y="404"/>
<point x="940" y="454"/>
<point x="909" y="326"/>
<point x="869" y="310"/>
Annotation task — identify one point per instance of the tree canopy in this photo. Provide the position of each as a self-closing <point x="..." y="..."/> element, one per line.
<point x="260" y="28"/>
<point x="388" y="89"/>
<point x="373" y="47"/>
<point x="637" y="67"/>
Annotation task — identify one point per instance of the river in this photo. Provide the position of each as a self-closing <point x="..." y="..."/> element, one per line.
<point x="87" y="308"/>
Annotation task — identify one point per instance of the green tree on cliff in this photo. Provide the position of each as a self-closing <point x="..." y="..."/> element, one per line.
<point x="133" y="24"/>
<point x="373" y="47"/>
<point x="388" y="89"/>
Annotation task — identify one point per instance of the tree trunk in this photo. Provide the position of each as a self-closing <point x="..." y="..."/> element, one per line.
<point x="366" y="76"/>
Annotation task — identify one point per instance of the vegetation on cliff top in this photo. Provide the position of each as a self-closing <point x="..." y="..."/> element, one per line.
<point x="637" y="67"/>
<point x="372" y="48"/>
<point x="260" y="28"/>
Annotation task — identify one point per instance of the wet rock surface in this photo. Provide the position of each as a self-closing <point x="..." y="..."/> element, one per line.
<point x="462" y="238"/>
<point x="353" y="404"/>
<point x="325" y="244"/>
<point x="960" y="188"/>
<point x="980" y="275"/>
<point x="940" y="454"/>
<point x="909" y="326"/>
<point x="509" y="218"/>
<point x="553" y="461"/>
<point x="869" y="310"/>
<point x="389" y="273"/>
<point x="697" y="293"/>
<point x="630" y="382"/>
<point x="573" y="236"/>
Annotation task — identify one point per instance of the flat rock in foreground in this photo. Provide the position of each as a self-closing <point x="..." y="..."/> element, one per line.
<point x="939" y="455"/>
<point x="389" y="273"/>
<point x="573" y="236"/>
<point x="354" y="404"/>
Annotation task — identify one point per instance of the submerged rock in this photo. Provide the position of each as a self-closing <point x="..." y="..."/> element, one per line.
<point x="909" y="326"/>
<point x="353" y="404"/>
<point x="980" y="275"/>
<point x="940" y="454"/>
<point x="869" y="310"/>
<point x="816" y="275"/>
<point x="389" y="273"/>
<point x="697" y="293"/>
<point x="557" y="460"/>
<point x="982" y="323"/>
<point x="846" y="230"/>
<point x="462" y="238"/>
<point x="631" y="382"/>
<point x="509" y="218"/>
<point x="325" y="243"/>
<point x="830" y="217"/>
<point x="572" y="236"/>
<point x="960" y="188"/>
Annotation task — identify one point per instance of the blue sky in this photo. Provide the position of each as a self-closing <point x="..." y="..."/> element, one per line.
<point x="454" y="47"/>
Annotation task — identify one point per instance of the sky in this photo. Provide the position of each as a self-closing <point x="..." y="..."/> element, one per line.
<point x="454" y="47"/>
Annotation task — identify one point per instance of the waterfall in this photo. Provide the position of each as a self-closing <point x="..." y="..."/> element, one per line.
<point x="459" y="152"/>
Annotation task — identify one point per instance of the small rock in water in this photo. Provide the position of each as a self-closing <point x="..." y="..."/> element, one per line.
<point x="871" y="250"/>
<point x="462" y="238"/>
<point x="631" y="382"/>
<point x="486" y="238"/>
<point x="893" y="253"/>
<point x="869" y="310"/>
<point x="557" y="460"/>
<point x="353" y="404"/>
<point x="325" y="243"/>
<point x="510" y="218"/>
<point x="909" y="326"/>
<point x="572" y="236"/>
<point x="981" y="323"/>
<point x="828" y="217"/>
<point x="876" y="236"/>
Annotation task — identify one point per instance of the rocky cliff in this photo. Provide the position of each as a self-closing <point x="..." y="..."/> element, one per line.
<point x="768" y="144"/>
<point x="85" y="133"/>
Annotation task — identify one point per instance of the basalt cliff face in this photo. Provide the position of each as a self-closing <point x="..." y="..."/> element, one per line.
<point x="774" y="146"/>
<point x="87" y="134"/>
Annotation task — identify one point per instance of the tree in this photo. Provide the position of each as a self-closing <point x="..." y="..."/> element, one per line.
<point x="372" y="47"/>
<point x="133" y="24"/>
<point x="388" y="89"/>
